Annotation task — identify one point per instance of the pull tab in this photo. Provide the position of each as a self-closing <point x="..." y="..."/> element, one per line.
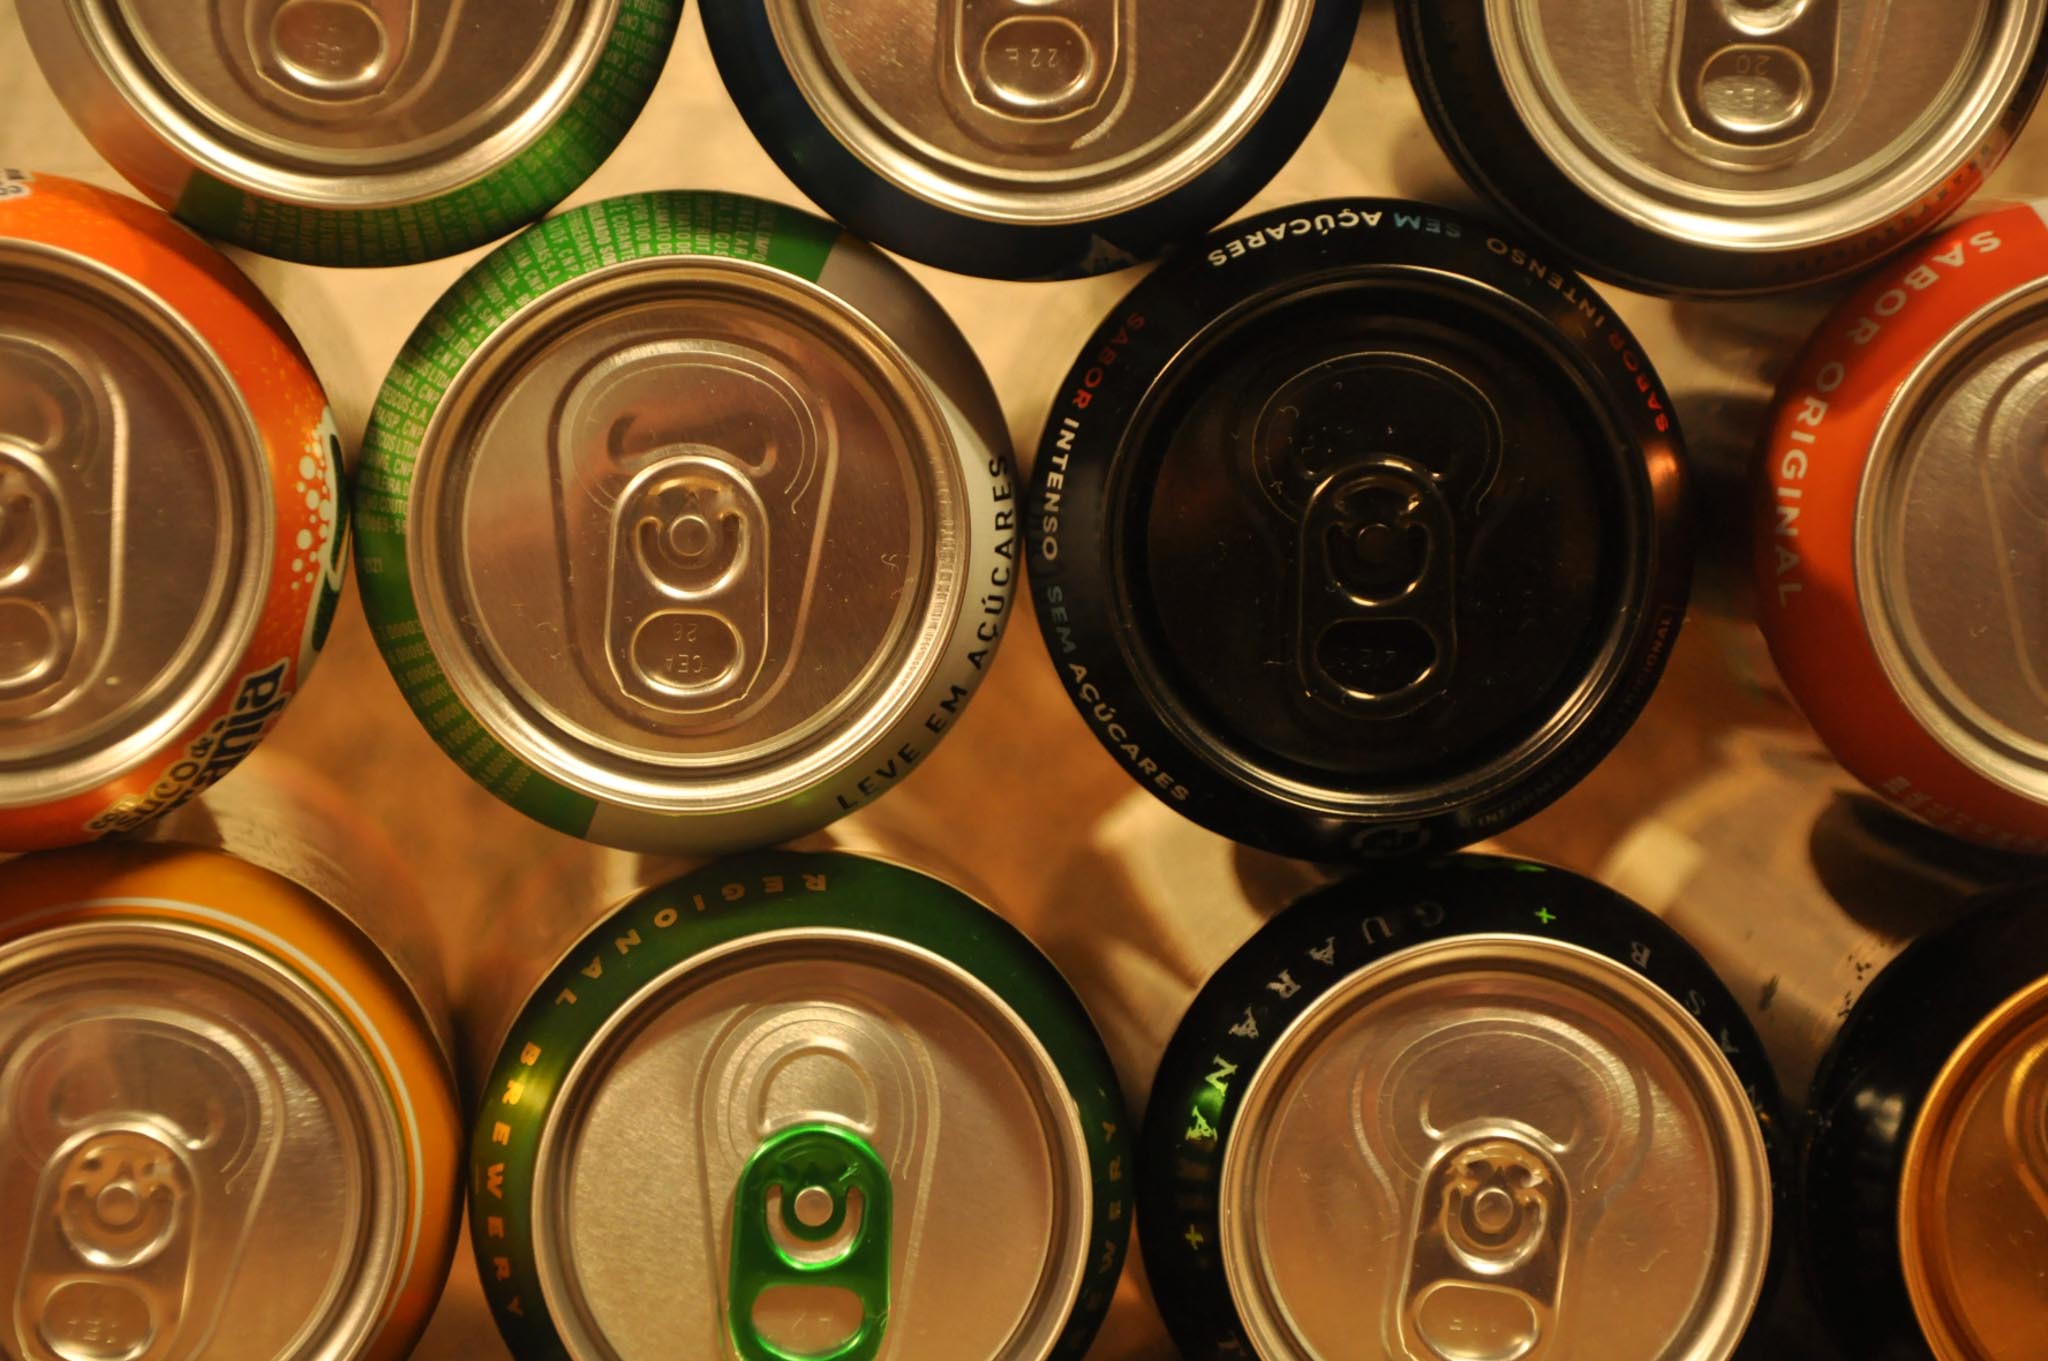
<point x="796" y="1224"/>
<point x="2012" y="477"/>
<point x="1484" y="1279"/>
<point x="40" y="604"/>
<point x="1756" y="73"/>
<point x="2026" y="1124"/>
<point x="331" y="50"/>
<point x="1039" y="67"/>
<point x="1377" y="628"/>
<point x="688" y="608"/>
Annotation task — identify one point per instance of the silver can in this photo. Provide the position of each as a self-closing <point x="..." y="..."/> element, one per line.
<point x="687" y="523"/>
<point x="1474" y="1107"/>
<point x="228" y="1121"/>
<point x="353" y="132"/>
<point x="1726" y="146"/>
<point x="793" y="1104"/>
<point x="1030" y="138"/>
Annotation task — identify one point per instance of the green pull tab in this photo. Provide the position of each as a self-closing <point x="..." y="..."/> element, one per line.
<point x="816" y="1168"/>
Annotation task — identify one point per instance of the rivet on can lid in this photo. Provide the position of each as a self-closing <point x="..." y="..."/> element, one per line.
<point x="134" y="532"/>
<point x="1495" y="1146"/>
<point x="196" y="1142"/>
<point x="888" y="1075"/>
<point x="1973" y="1197"/>
<point x="1951" y="518"/>
<point x="1043" y="112"/>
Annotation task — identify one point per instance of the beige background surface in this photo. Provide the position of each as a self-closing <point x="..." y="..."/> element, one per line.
<point x="1020" y="794"/>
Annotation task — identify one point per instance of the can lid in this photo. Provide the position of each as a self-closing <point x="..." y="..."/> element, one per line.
<point x="852" y="1132"/>
<point x="134" y="538"/>
<point x="1973" y="1199"/>
<point x="203" y="1145"/>
<point x="1778" y="125"/>
<point x="734" y="556"/>
<point x="1044" y="113"/>
<point x="348" y="104"/>
<point x="1537" y="1149"/>
<point x="1949" y="564"/>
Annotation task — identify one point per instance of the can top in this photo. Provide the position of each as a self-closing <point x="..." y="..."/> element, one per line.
<point x="207" y="1142"/>
<point x="1039" y="114"/>
<point x="1947" y="558"/>
<point x="1779" y="125"/>
<point x="134" y="538"/>
<point x="1543" y="1148"/>
<point x="1973" y="1199"/>
<point x="347" y="104"/>
<point x="734" y="557"/>
<point x="950" y="1117"/>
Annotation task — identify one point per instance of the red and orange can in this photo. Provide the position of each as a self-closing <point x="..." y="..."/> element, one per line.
<point x="172" y="532"/>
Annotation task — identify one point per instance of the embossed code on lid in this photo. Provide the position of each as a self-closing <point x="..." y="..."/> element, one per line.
<point x="1952" y="544"/>
<point x="903" y="1071"/>
<point x="194" y="1147"/>
<point x="1041" y="112"/>
<point x="133" y="538"/>
<point x="1497" y="1147"/>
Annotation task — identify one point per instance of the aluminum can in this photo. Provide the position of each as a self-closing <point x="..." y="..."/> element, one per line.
<point x="687" y="523"/>
<point x="1725" y="146"/>
<point x="228" y="1122"/>
<point x="1359" y="529"/>
<point x="1030" y="139"/>
<point x="353" y="132"/>
<point x="1900" y="507"/>
<point x="171" y="520"/>
<point x="1926" y="1166"/>
<point x="1465" y="1107"/>
<point x="741" y="1117"/>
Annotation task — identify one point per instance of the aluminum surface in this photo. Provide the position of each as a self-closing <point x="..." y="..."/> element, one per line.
<point x="338" y="103"/>
<point x="986" y="1156"/>
<point x="1039" y="111"/>
<point x="1525" y="1140"/>
<point x="124" y="451"/>
<point x="1778" y="124"/>
<point x="1949" y="549"/>
<point x="726" y="568"/>
<point x="1973" y="1206"/>
<point x="204" y="1149"/>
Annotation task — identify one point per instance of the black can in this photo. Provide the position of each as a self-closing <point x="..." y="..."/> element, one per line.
<point x="1358" y="529"/>
<point x="1925" y="1177"/>
<point x="1030" y="139"/>
<point x="1470" y="1107"/>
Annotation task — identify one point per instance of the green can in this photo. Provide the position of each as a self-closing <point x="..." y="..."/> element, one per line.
<point x="687" y="523"/>
<point x="800" y="1105"/>
<point x="354" y="132"/>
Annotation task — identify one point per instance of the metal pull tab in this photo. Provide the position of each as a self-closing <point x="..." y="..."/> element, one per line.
<point x="1756" y="73"/>
<point x="1377" y="626"/>
<point x="331" y="50"/>
<point x="40" y="605"/>
<point x="1485" y="1277"/>
<point x="1040" y="67"/>
<point x="2026" y="1124"/>
<point x="813" y="1209"/>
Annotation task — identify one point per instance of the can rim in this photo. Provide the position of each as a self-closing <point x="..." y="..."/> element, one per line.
<point x="163" y="110"/>
<point x="247" y="533"/>
<point x="674" y="785"/>
<point x="2019" y="1020"/>
<point x="1965" y="731"/>
<point x="1041" y="198"/>
<point x="283" y="977"/>
<point x="1716" y="1085"/>
<point x="1060" y="1118"/>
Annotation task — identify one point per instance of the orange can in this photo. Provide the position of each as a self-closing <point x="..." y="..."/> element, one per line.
<point x="172" y="538"/>
<point x="228" y="1121"/>
<point x="1902" y="544"/>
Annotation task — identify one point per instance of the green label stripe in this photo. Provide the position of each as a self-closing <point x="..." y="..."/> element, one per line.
<point x="726" y="902"/>
<point x="586" y="131"/>
<point x="553" y="255"/>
